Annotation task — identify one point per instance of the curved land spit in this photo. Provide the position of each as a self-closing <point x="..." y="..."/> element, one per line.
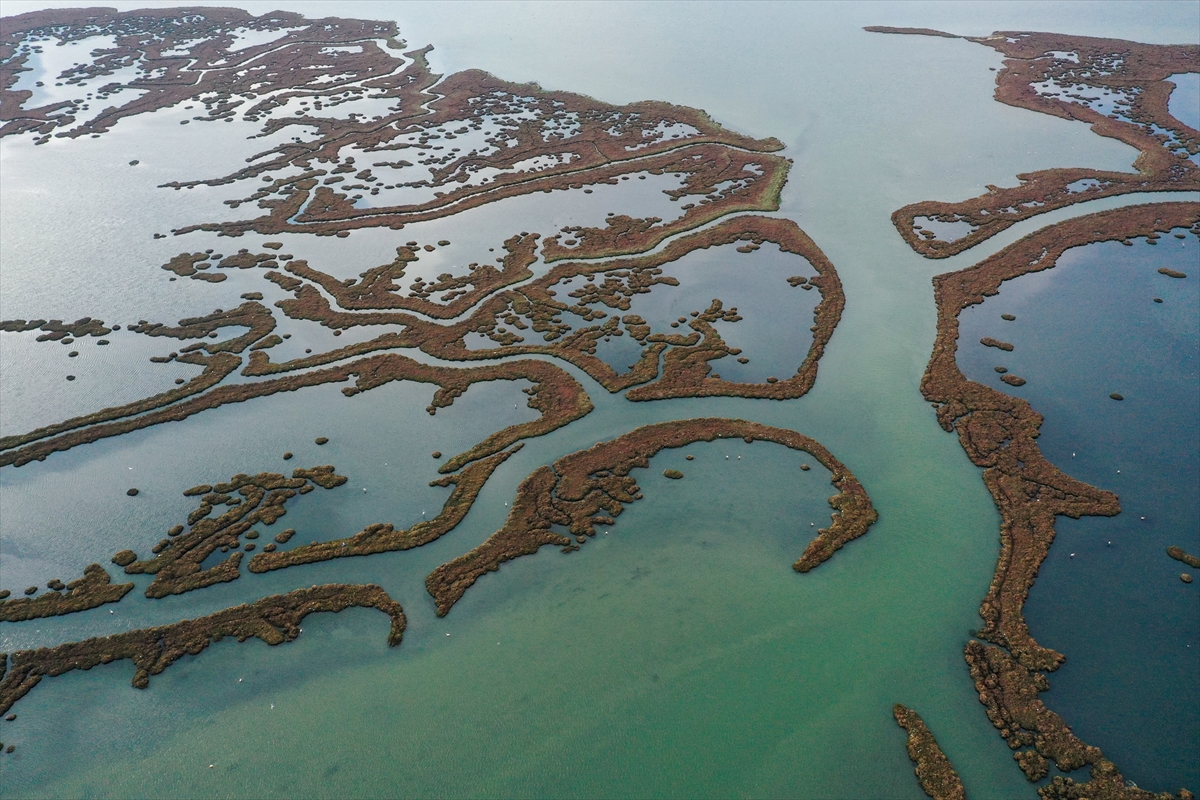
<point x="999" y="433"/>
<point x="1119" y="87"/>
<point x="583" y="485"/>
<point x="436" y="146"/>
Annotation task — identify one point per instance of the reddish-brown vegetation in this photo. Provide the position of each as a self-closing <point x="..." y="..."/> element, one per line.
<point x="1131" y="74"/>
<point x="999" y="433"/>
<point x="581" y="485"/>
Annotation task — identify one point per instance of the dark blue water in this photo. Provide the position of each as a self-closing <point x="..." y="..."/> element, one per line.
<point x="1108" y="596"/>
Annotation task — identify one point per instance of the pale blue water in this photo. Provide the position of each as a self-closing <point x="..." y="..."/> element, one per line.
<point x="776" y="316"/>
<point x="769" y="683"/>
<point x="1184" y="103"/>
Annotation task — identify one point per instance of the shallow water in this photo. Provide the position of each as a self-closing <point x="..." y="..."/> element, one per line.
<point x="768" y="682"/>
<point x="1184" y="103"/>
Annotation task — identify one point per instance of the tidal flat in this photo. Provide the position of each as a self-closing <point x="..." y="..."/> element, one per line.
<point x="678" y="652"/>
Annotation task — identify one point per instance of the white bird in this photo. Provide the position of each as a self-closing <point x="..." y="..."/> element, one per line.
<point x="739" y="458"/>
<point x="272" y="705"/>
<point x="239" y="680"/>
<point x="111" y="611"/>
<point x="364" y="490"/>
<point x="1072" y="555"/>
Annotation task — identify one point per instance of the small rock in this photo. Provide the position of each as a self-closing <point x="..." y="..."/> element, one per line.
<point x="805" y="467"/>
<point x="437" y="453"/>
<point x="1185" y="577"/>
<point x="321" y="440"/>
<point x="1116" y="396"/>
<point x="132" y="492"/>
<point x="1012" y="380"/>
<point x="1007" y="317"/>
<point x="690" y="458"/>
<point x="1158" y="299"/>
<point x="1001" y="370"/>
<point x="70" y="377"/>
<point x="673" y="474"/>
<point x="287" y="456"/>
<point x="31" y="590"/>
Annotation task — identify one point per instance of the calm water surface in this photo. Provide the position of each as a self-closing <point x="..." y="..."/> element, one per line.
<point x="1108" y="596"/>
<point x="677" y="655"/>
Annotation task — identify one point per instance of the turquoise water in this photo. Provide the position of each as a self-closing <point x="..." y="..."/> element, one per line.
<point x="680" y="654"/>
<point x="1108" y="596"/>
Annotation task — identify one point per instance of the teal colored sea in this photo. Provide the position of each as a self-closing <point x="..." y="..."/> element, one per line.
<point x="677" y="654"/>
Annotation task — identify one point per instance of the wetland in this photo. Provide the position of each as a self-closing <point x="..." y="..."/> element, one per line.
<point x="686" y="331"/>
